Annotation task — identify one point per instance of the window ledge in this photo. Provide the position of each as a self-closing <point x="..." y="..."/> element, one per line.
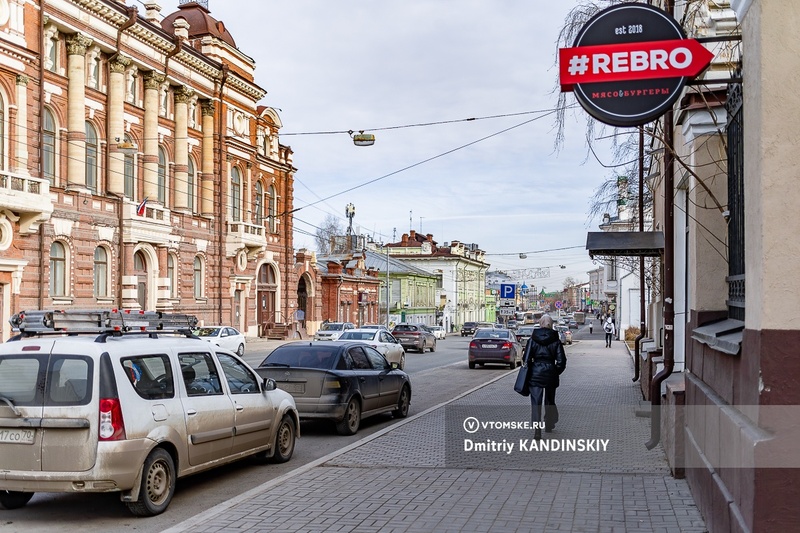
<point x="724" y="336"/>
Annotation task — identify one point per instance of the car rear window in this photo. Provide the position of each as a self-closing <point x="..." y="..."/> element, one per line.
<point x="306" y="356"/>
<point x="491" y="334"/>
<point x="358" y="335"/>
<point x="403" y="327"/>
<point x="46" y="380"/>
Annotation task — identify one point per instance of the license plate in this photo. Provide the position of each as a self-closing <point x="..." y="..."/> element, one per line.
<point x="297" y="388"/>
<point x="489" y="345"/>
<point x="405" y="339"/>
<point x="17" y="436"/>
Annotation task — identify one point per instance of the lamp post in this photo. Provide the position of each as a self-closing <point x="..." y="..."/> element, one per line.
<point x="387" y="287"/>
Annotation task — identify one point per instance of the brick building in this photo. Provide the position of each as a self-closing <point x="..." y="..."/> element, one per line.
<point x="139" y="169"/>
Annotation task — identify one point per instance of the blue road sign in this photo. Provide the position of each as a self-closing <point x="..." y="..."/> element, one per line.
<point x="558" y="304"/>
<point x="507" y="290"/>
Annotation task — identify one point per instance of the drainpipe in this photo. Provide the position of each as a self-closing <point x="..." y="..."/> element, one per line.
<point x="172" y="53"/>
<point x="669" y="274"/>
<point x="132" y="12"/>
<point x="42" y="18"/>
<point x="637" y="362"/>
<point x="220" y="203"/>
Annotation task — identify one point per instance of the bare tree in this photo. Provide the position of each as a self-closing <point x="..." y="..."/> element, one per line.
<point x="330" y="227"/>
<point x="569" y="282"/>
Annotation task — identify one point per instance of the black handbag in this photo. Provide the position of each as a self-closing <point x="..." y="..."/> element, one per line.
<point x="521" y="385"/>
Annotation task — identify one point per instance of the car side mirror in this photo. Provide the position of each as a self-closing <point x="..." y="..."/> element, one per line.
<point x="270" y="384"/>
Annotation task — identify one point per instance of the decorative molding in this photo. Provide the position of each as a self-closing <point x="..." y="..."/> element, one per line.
<point x="77" y="44"/>
<point x="207" y="107"/>
<point x="22" y="79"/>
<point x="183" y="94"/>
<point x="119" y="64"/>
<point x="153" y="80"/>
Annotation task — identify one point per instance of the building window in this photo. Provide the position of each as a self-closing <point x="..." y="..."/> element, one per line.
<point x="258" y="205"/>
<point x="198" y="277"/>
<point x="190" y="185"/>
<point x="91" y="157"/>
<point x="736" y="220"/>
<point x="52" y="56"/>
<point x="49" y="146"/>
<point x="130" y="172"/>
<point x="172" y="274"/>
<point x="612" y="270"/>
<point x="236" y="195"/>
<point x="162" y="176"/>
<point x="100" y="272"/>
<point x="273" y="209"/>
<point x="58" y="269"/>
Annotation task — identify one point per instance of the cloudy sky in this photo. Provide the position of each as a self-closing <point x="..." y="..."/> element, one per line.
<point x="497" y="182"/>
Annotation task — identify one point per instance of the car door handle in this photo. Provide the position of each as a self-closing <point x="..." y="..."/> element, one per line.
<point x="191" y="412"/>
<point x="239" y="407"/>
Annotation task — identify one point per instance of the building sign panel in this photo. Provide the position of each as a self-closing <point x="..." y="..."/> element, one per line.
<point x="629" y="63"/>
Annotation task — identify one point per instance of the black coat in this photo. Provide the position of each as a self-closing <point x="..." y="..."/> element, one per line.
<point x="546" y="358"/>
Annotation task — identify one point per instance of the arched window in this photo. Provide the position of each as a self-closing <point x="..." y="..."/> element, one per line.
<point x="172" y="274"/>
<point x="58" y="269"/>
<point x="258" y="205"/>
<point x="100" y="272"/>
<point x="130" y="172"/>
<point x="162" y="176"/>
<point x="190" y="185"/>
<point x="91" y="157"/>
<point x="49" y="146"/>
<point x="198" y="277"/>
<point x="236" y="195"/>
<point x="273" y="209"/>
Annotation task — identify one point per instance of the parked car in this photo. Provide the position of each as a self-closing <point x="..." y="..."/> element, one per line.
<point x="381" y="340"/>
<point x="223" y="336"/>
<point x="494" y="346"/>
<point x="524" y="333"/>
<point x="564" y="334"/>
<point x="330" y="331"/>
<point x="468" y="329"/>
<point x="96" y="401"/>
<point x="415" y="337"/>
<point x="339" y="381"/>
<point x="438" y="332"/>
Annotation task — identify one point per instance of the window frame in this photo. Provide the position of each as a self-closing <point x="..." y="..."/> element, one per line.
<point x="198" y="276"/>
<point x="49" y="146"/>
<point x="236" y="195"/>
<point x="91" y="158"/>
<point x="172" y="275"/>
<point x="161" y="182"/>
<point x="129" y="172"/>
<point x="59" y="270"/>
<point x="101" y="270"/>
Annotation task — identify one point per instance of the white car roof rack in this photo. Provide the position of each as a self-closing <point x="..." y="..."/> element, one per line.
<point x="114" y="321"/>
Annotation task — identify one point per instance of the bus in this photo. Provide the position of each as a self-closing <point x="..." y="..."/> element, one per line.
<point x="532" y="317"/>
<point x="579" y="317"/>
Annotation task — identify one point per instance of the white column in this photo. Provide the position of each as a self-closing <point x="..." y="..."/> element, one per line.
<point x="116" y="124"/>
<point x="152" y="85"/>
<point x="182" y="96"/>
<point x="76" y="110"/>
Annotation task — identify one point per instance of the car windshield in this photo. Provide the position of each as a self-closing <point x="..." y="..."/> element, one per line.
<point x="332" y="326"/>
<point x="305" y="355"/>
<point x="491" y="334"/>
<point x="207" y="332"/>
<point x="357" y="335"/>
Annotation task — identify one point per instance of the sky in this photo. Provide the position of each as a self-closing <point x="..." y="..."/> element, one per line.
<point x="377" y="66"/>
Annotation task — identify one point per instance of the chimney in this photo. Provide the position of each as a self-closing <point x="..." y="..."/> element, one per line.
<point x="429" y="236"/>
<point x="404" y="240"/>
<point x="181" y="28"/>
<point x="152" y="9"/>
<point x="413" y="235"/>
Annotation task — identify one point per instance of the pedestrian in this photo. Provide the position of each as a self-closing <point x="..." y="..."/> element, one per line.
<point x="546" y="361"/>
<point x="591" y="325"/>
<point x="610" y="330"/>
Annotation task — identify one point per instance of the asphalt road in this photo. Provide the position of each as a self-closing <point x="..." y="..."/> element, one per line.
<point x="435" y="377"/>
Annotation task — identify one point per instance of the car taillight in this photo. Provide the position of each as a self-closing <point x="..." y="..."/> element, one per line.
<point x="332" y="385"/>
<point x="473" y="344"/>
<point x="506" y="345"/>
<point x="112" y="427"/>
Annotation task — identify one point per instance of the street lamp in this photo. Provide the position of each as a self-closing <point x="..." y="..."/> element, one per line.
<point x="362" y="139"/>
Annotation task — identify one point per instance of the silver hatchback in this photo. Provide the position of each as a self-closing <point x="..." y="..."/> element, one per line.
<point x="126" y="406"/>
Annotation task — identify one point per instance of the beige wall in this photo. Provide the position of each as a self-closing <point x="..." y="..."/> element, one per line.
<point x="772" y="164"/>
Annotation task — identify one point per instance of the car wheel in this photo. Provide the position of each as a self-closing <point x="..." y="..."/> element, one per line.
<point x="157" y="485"/>
<point x="403" y="362"/>
<point x="240" y="350"/>
<point x="424" y="347"/>
<point x="402" y="403"/>
<point x="12" y="499"/>
<point x="285" y="440"/>
<point x="433" y="348"/>
<point x="471" y="364"/>
<point x="352" y="419"/>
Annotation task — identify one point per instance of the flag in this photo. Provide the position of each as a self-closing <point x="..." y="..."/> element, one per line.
<point x="140" y="207"/>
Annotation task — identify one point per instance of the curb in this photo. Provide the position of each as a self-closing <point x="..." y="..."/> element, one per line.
<point x="192" y="523"/>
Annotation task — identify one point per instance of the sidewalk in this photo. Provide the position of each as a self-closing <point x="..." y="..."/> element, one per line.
<point x="416" y="475"/>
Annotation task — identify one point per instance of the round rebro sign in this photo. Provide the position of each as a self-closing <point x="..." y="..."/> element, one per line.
<point x="629" y="64"/>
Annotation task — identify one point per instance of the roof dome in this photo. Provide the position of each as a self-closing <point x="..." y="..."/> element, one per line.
<point x="196" y="13"/>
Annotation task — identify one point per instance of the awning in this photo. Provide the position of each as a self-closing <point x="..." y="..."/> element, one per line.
<point x="625" y="243"/>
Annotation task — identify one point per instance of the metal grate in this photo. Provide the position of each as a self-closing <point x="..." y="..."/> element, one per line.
<point x="201" y="3"/>
<point x="736" y="221"/>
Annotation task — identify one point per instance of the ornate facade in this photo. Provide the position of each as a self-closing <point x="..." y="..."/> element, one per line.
<point x="138" y="170"/>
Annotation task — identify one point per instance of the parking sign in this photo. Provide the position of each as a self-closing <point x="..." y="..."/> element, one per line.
<point x="507" y="290"/>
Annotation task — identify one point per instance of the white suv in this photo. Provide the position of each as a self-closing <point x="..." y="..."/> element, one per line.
<point x="104" y="401"/>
